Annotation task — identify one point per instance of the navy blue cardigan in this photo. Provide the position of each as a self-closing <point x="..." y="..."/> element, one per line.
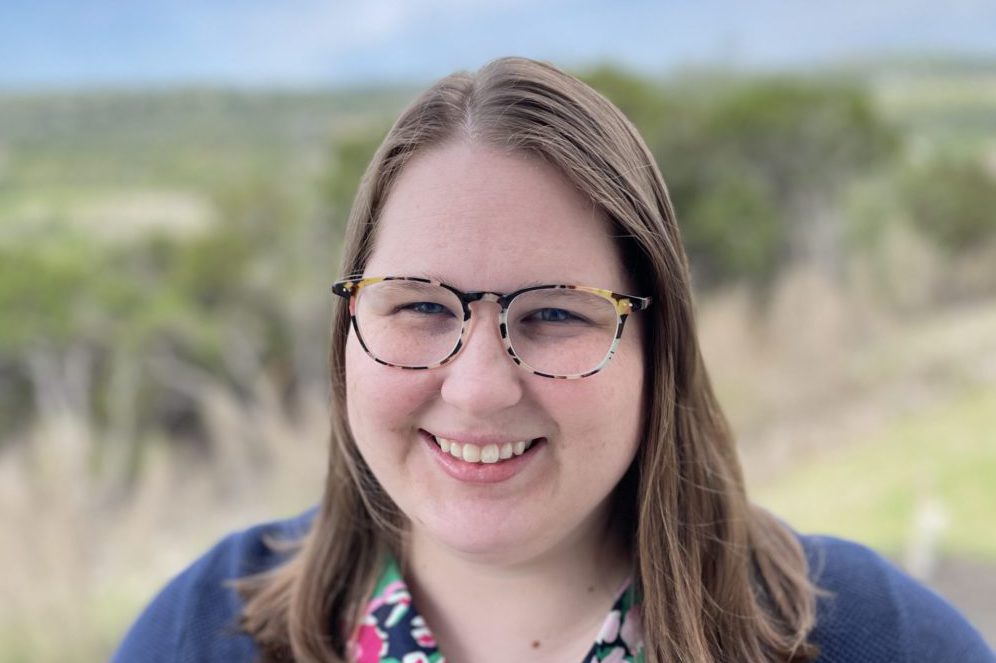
<point x="875" y="613"/>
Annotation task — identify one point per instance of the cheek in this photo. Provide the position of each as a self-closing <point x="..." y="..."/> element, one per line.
<point x="605" y="410"/>
<point x="381" y="398"/>
<point x="617" y="406"/>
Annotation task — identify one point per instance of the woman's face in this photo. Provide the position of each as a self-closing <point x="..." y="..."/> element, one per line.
<point x="481" y="220"/>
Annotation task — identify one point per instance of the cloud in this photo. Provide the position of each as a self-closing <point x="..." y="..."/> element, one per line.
<point x="307" y="42"/>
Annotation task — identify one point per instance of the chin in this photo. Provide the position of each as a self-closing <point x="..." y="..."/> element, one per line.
<point x="484" y="540"/>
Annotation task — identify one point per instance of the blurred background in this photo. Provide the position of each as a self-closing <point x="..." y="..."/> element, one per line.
<point x="174" y="178"/>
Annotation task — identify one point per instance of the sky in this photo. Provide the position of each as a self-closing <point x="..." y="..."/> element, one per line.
<point x="324" y="43"/>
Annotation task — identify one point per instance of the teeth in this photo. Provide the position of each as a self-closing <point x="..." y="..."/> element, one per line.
<point x="491" y="453"/>
<point x="471" y="453"/>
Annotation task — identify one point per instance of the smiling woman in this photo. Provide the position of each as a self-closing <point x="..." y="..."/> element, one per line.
<point x="482" y="218"/>
<point x="527" y="464"/>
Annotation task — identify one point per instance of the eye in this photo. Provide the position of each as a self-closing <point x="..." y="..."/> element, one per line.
<point x="425" y="308"/>
<point x="552" y="315"/>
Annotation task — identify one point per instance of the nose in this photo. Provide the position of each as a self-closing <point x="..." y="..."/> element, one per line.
<point x="482" y="378"/>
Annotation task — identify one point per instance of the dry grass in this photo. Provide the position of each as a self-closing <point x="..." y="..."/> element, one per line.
<point x="828" y="366"/>
<point x="109" y="215"/>
<point x="86" y="560"/>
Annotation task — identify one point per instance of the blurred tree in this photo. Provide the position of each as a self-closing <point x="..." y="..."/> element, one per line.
<point x="764" y="167"/>
<point x="645" y="103"/>
<point x="52" y="299"/>
<point x="755" y="166"/>
<point x="735" y="231"/>
<point x="147" y="324"/>
<point x="952" y="203"/>
<point x="349" y="160"/>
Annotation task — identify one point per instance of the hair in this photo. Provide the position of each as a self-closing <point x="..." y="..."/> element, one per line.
<point x="719" y="579"/>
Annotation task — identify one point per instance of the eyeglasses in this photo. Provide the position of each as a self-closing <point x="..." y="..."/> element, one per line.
<point x="556" y="331"/>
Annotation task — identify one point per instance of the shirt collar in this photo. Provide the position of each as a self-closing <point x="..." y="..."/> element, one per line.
<point x="392" y="631"/>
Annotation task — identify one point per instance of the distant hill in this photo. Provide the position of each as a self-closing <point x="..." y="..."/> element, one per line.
<point x="181" y="137"/>
<point x="943" y="103"/>
<point x="76" y="155"/>
<point x="189" y="137"/>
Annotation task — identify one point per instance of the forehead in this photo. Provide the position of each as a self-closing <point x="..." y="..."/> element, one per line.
<point x="478" y="218"/>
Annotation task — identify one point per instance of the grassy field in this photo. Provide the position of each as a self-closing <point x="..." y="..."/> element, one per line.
<point x="930" y="473"/>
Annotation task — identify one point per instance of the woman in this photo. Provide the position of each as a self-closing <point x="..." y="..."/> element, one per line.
<point x="521" y="470"/>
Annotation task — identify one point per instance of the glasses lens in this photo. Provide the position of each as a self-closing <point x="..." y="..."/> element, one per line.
<point x="561" y="331"/>
<point x="407" y="323"/>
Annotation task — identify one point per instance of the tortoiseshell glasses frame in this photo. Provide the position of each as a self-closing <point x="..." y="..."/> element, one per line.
<point x="350" y="288"/>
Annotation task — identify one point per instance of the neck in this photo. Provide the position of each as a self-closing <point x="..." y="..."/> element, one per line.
<point x="520" y="608"/>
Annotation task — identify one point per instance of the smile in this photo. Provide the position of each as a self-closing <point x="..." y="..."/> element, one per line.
<point x="489" y="454"/>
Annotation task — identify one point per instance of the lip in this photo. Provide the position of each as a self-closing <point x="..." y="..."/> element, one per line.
<point x="477" y="438"/>
<point x="480" y="473"/>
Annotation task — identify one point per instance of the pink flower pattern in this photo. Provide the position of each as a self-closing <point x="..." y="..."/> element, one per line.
<point x="369" y="643"/>
<point x="421" y="633"/>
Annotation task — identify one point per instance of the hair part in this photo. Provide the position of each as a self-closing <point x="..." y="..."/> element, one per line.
<point x="719" y="579"/>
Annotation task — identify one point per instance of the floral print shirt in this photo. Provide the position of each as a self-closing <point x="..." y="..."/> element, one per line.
<point x="393" y="632"/>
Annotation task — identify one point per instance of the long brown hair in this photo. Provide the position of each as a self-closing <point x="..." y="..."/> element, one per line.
<point x="720" y="580"/>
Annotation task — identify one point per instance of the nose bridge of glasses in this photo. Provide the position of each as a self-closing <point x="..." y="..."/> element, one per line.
<point x="495" y="298"/>
<point x="483" y="296"/>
